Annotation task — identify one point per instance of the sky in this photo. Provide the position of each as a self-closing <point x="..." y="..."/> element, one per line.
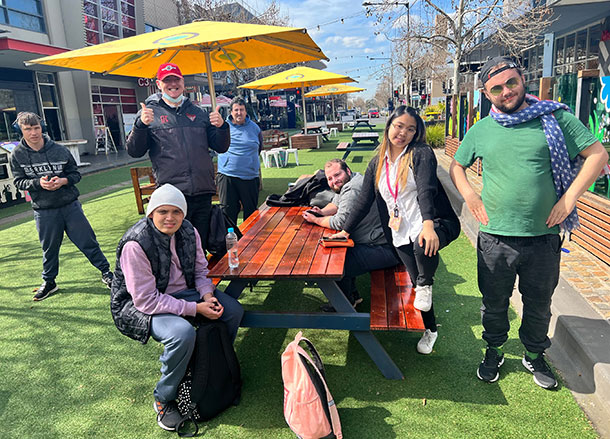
<point x="348" y="45"/>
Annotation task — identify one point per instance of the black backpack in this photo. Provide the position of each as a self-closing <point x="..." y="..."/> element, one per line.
<point x="219" y="224"/>
<point x="213" y="379"/>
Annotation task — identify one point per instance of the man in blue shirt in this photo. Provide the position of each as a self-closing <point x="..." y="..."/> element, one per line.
<point x="238" y="177"/>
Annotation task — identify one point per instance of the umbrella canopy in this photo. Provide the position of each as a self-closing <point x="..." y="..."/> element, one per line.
<point x="298" y="77"/>
<point x="199" y="47"/>
<point x="336" y="89"/>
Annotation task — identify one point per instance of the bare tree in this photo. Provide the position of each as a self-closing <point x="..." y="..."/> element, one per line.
<point x="458" y="29"/>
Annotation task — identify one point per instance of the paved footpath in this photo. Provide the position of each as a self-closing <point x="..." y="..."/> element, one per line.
<point x="580" y="323"/>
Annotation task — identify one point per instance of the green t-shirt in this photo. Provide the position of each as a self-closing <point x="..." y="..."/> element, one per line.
<point x="518" y="191"/>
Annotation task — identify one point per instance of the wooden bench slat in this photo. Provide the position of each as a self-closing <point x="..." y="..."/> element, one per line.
<point x="392" y="299"/>
<point x="291" y="255"/>
<point x="280" y="248"/>
<point x="396" y="317"/>
<point x="379" y="320"/>
<point x="342" y="146"/>
<point x="262" y="255"/>
<point x="222" y="267"/>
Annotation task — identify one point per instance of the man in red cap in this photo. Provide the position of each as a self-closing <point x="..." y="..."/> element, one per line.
<point x="177" y="134"/>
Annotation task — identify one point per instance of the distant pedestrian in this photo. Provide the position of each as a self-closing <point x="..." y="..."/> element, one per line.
<point x="177" y="134"/>
<point x="49" y="173"/>
<point x="238" y="178"/>
<point x="529" y="190"/>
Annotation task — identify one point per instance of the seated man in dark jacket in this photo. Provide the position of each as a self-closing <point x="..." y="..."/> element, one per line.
<point x="160" y="278"/>
<point x="177" y="134"/>
<point x="48" y="172"/>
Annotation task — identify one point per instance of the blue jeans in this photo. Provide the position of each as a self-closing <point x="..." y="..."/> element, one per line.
<point x="51" y="224"/>
<point x="178" y="337"/>
<point x="536" y="261"/>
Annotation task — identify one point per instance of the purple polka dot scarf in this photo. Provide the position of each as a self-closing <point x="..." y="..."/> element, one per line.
<point x="564" y="170"/>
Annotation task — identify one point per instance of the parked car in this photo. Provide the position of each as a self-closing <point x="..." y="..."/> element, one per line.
<point x="373" y="112"/>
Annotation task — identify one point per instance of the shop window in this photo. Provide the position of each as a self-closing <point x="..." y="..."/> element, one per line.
<point x="90" y="8"/>
<point x="595" y="34"/>
<point x="581" y="45"/>
<point x="127" y="91"/>
<point x="569" y="49"/>
<point x="92" y="37"/>
<point x="47" y="94"/>
<point x="91" y="23"/>
<point x="128" y="9"/>
<point x="559" y="51"/>
<point x="118" y="20"/>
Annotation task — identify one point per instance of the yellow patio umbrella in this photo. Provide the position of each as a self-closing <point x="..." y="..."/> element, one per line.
<point x="199" y="47"/>
<point x="331" y="90"/>
<point x="298" y="77"/>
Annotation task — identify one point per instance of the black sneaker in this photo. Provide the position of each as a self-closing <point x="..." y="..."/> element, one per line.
<point x="543" y="375"/>
<point x="107" y="278"/>
<point x="47" y="287"/>
<point x="168" y="416"/>
<point x="489" y="369"/>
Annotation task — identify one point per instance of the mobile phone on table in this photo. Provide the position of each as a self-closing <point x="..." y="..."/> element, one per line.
<point x="335" y="239"/>
<point x="314" y="213"/>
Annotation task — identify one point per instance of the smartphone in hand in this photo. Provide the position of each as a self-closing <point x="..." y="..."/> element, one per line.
<point x="335" y="239"/>
<point x="314" y="213"/>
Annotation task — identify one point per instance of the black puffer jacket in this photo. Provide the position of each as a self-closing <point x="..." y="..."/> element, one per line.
<point x="155" y="244"/>
<point x="177" y="142"/>
<point x="52" y="160"/>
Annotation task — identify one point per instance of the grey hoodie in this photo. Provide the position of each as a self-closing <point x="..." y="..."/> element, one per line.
<point x="52" y="159"/>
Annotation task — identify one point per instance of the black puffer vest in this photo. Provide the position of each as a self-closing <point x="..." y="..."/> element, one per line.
<point x="155" y="244"/>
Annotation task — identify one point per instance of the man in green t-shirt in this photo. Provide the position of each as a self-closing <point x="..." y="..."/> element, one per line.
<point x="527" y="193"/>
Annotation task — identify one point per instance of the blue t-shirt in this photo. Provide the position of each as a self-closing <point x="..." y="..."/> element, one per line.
<point x="241" y="160"/>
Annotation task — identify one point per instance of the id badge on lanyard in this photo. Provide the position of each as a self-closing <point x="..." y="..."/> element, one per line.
<point x="394" y="222"/>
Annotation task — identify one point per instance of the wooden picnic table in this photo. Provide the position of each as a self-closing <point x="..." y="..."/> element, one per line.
<point x="364" y="123"/>
<point x="315" y="129"/>
<point x="278" y="244"/>
<point x="362" y="141"/>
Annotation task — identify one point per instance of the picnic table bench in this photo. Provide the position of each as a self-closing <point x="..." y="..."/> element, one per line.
<point x="274" y="139"/>
<point x="360" y="142"/>
<point x="316" y="129"/>
<point x="279" y="245"/>
<point x="362" y="122"/>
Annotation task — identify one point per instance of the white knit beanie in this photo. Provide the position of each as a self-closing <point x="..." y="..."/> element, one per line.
<point x="166" y="194"/>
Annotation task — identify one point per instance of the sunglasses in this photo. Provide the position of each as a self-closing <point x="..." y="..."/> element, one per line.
<point x="496" y="90"/>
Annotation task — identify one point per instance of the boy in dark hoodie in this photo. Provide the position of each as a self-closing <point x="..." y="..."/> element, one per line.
<point x="48" y="172"/>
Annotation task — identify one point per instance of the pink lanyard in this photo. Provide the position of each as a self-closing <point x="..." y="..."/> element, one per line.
<point x="387" y="178"/>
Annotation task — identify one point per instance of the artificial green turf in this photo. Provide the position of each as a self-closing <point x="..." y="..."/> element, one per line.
<point x="68" y="373"/>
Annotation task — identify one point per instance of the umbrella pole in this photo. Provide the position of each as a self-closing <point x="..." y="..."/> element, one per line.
<point x="332" y="99"/>
<point x="304" y="110"/>
<point x="208" y="68"/>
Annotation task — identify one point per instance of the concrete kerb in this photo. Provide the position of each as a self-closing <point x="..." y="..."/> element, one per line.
<point x="581" y="337"/>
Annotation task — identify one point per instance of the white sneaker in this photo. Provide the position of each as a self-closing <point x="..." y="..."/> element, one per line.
<point x="426" y="343"/>
<point x="423" y="298"/>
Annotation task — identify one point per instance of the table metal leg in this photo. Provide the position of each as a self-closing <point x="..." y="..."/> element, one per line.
<point x="235" y="288"/>
<point x="368" y="341"/>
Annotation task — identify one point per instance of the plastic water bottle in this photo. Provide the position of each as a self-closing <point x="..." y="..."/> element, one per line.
<point x="232" y="248"/>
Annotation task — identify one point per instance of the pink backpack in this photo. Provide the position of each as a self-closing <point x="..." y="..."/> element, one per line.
<point x="309" y="408"/>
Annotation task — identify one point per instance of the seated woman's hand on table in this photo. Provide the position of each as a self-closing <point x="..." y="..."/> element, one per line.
<point x="341" y="234"/>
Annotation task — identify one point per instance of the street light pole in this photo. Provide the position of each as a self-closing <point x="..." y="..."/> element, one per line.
<point x="391" y="74"/>
<point x="406" y="5"/>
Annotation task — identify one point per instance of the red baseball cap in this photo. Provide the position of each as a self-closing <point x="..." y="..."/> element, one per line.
<point x="168" y="69"/>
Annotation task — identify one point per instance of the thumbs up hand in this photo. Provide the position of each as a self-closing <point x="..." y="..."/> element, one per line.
<point x="216" y="118"/>
<point x="147" y="115"/>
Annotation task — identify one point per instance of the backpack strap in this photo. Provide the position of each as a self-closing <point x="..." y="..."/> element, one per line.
<point x="332" y="407"/>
